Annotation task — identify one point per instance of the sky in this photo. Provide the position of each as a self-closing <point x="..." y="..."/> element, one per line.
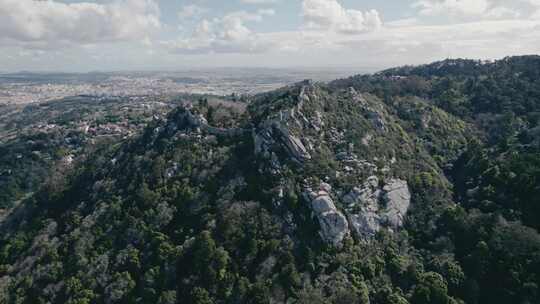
<point x="122" y="35"/>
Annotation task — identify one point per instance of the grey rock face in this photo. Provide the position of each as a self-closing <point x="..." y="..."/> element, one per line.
<point x="398" y="199"/>
<point x="351" y="163"/>
<point x="377" y="120"/>
<point x="275" y="134"/>
<point x="365" y="224"/>
<point x="373" y="112"/>
<point x="199" y="122"/>
<point x="196" y="120"/>
<point x="334" y="225"/>
<point x="363" y="207"/>
<point x="294" y="146"/>
<point x="370" y="207"/>
<point x="318" y="122"/>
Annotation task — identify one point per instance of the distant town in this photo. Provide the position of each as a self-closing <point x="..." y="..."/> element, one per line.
<point x="25" y="88"/>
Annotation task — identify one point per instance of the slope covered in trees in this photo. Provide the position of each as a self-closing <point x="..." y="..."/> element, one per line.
<point x="413" y="185"/>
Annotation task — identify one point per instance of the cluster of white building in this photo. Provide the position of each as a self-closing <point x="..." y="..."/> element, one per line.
<point x="24" y="93"/>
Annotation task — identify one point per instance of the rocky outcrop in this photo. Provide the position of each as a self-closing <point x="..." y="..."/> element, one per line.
<point x="334" y="225"/>
<point x="363" y="207"/>
<point x="273" y="135"/>
<point x="190" y="120"/>
<point x="293" y="145"/>
<point x="295" y="131"/>
<point x="397" y="197"/>
<point x="276" y="132"/>
<point x="370" y="207"/>
<point x="373" y="112"/>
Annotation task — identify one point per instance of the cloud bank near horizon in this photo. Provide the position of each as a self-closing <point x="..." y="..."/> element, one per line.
<point x="138" y="33"/>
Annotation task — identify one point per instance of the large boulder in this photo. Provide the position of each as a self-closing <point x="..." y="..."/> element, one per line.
<point x="398" y="199"/>
<point x="370" y="207"/>
<point x="363" y="207"/>
<point x="293" y="145"/>
<point x="275" y="136"/>
<point x="334" y="225"/>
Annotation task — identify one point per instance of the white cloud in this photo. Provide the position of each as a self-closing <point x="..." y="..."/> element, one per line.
<point x="228" y="34"/>
<point x="232" y="34"/>
<point x="245" y="16"/>
<point x="330" y="26"/>
<point x="258" y="1"/>
<point x="403" y="22"/>
<point x="331" y="15"/>
<point x="191" y="11"/>
<point x="424" y="43"/>
<point x="329" y="34"/>
<point x="478" y="9"/>
<point x="51" y="24"/>
<point x="467" y="7"/>
<point x="536" y="6"/>
<point x="266" y="12"/>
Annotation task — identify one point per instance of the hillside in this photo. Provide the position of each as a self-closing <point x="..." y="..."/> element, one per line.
<point x="421" y="188"/>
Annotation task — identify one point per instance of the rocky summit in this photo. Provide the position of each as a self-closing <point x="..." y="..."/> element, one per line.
<point x="284" y="140"/>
